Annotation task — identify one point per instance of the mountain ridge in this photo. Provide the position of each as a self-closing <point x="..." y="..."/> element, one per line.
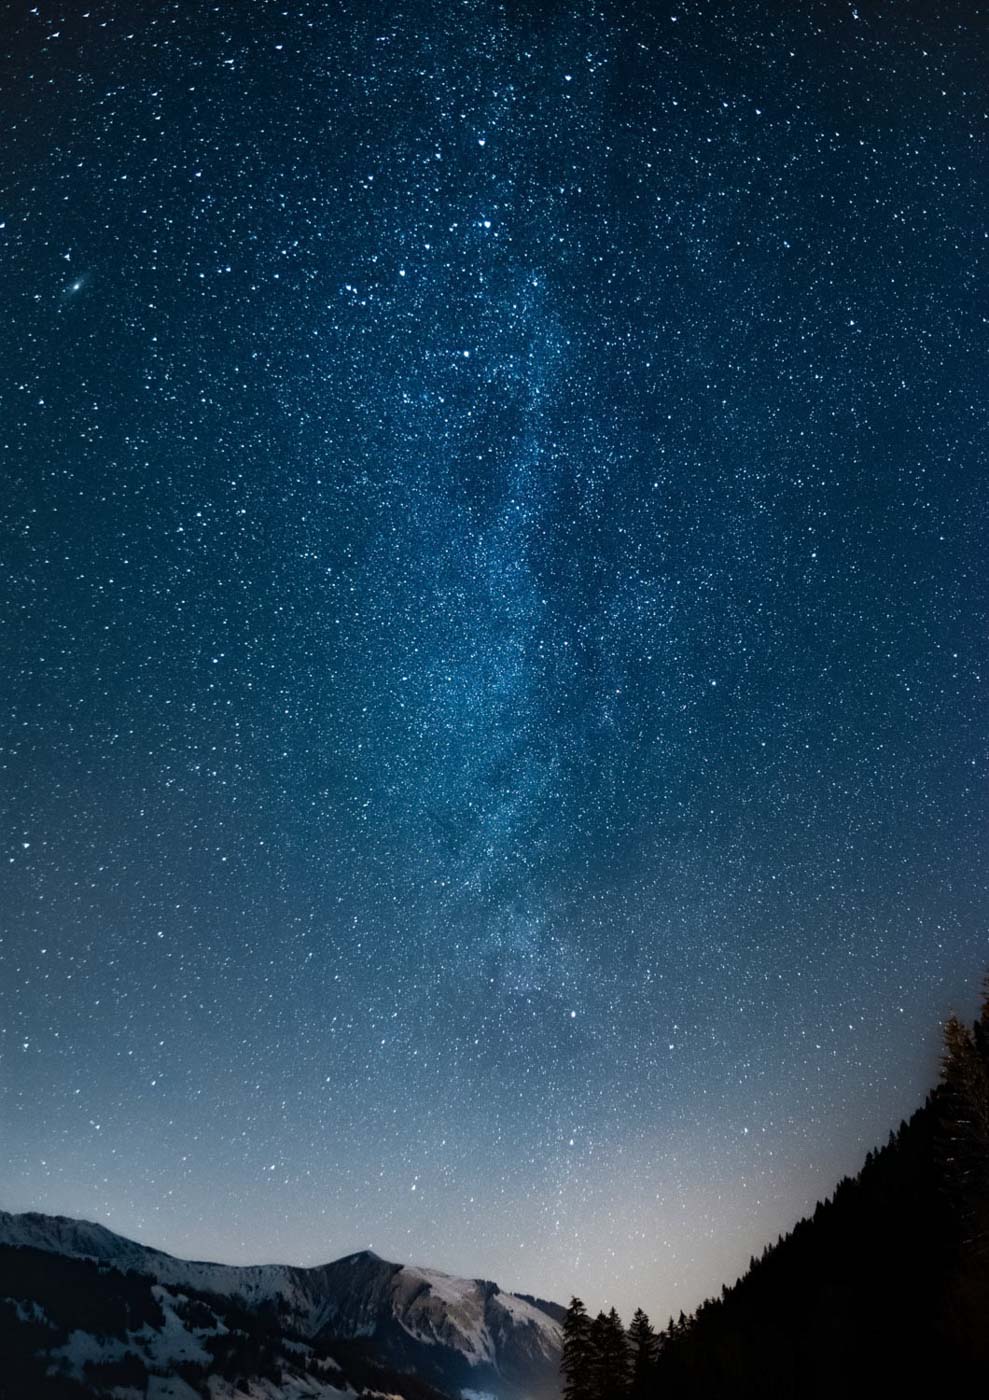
<point x="457" y="1334"/>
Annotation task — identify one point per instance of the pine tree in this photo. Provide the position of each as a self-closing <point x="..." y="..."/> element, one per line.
<point x="981" y="1028"/>
<point x="965" y="1119"/>
<point x="643" y="1342"/>
<point x="576" y="1362"/>
<point x="598" y="1357"/>
<point x="610" y="1357"/>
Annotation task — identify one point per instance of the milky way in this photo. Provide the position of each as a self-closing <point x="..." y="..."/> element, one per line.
<point x="493" y="747"/>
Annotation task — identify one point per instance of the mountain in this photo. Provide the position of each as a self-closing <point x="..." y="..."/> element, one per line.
<point x="850" y="1301"/>
<point x="360" y="1313"/>
<point x="75" y="1328"/>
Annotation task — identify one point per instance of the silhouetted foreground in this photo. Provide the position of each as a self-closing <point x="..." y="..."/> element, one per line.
<point x="884" y="1290"/>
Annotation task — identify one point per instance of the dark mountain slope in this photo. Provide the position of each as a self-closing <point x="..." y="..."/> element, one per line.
<point x="885" y="1289"/>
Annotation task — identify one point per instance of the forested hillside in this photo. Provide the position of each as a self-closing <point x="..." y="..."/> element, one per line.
<point x="885" y="1288"/>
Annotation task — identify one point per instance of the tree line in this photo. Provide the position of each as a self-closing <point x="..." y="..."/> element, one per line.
<point x="601" y="1360"/>
<point x="884" y="1288"/>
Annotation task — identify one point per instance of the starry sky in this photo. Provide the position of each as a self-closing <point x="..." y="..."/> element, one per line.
<point x="492" y="742"/>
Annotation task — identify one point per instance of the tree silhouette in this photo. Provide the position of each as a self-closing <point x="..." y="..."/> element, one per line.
<point x="883" y="1289"/>
<point x="576" y="1362"/>
<point x="642" y="1342"/>
<point x="610" y="1357"/>
<point x="965" y="1116"/>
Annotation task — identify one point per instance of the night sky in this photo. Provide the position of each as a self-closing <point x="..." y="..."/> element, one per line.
<point x="493" y="620"/>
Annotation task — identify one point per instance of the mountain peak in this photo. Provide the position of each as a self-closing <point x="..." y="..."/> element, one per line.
<point x="360" y="1255"/>
<point x="456" y="1334"/>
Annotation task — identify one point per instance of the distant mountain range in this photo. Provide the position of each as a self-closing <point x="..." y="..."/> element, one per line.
<point x="272" y="1330"/>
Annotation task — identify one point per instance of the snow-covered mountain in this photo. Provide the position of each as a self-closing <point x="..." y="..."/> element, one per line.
<point x="75" y="1329"/>
<point x="455" y="1334"/>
